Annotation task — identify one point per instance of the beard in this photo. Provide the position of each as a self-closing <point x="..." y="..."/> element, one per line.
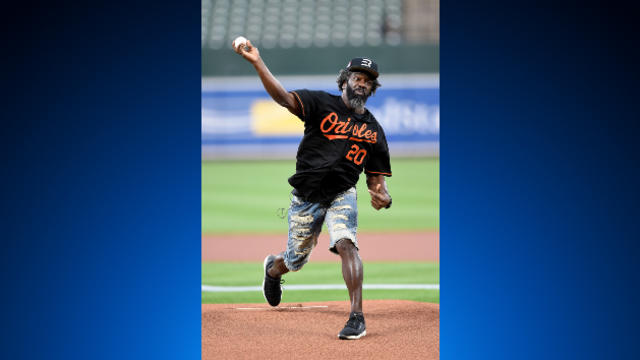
<point x="356" y="100"/>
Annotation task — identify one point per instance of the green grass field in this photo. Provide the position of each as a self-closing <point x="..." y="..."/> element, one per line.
<point x="245" y="197"/>
<point x="250" y="274"/>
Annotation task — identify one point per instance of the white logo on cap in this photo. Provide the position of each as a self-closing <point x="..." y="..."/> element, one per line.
<point x="366" y="62"/>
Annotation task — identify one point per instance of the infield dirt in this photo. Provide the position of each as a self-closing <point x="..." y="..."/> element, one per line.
<point x="396" y="246"/>
<point x="396" y="329"/>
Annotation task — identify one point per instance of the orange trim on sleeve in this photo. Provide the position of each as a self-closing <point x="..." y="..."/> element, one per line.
<point x="299" y="102"/>
<point x="375" y="172"/>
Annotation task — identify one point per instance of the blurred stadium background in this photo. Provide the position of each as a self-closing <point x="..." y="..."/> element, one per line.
<point x="305" y="43"/>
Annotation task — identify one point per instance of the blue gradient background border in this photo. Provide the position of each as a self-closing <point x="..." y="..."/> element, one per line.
<point x="101" y="185"/>
<point x="539" y="203"/>
<point x="101" y="181"/>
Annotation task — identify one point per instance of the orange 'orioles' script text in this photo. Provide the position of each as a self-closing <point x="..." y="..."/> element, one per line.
<point x="333" y="129"/>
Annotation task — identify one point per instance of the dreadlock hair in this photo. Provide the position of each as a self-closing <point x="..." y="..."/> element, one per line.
<point x="343" y="76"/>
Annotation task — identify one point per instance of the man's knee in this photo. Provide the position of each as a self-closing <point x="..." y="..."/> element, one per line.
<point x="345" y="246"/>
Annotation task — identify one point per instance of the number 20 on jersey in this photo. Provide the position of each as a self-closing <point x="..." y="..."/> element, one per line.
<point x="356" y="154"/>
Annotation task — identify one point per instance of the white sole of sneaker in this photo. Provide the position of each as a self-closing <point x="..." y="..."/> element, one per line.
<point x="353" y="337"/>
<point x="264" y="266"/>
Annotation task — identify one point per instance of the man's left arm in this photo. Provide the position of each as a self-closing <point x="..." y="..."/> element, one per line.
<point x="380" y="197"/>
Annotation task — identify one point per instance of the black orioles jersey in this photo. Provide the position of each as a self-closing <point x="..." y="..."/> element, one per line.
<point x="338" y="144"/>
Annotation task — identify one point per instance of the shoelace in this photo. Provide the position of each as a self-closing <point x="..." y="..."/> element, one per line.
<point x="281" y="281"/>
<point x="352" y="322"/>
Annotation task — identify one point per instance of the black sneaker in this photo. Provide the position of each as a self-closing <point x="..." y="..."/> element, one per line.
<point x="355" y="328"/>
<point x="271" y="288"/>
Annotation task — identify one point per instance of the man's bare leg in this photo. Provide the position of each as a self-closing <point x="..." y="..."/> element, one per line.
<point x="351" y="272"/>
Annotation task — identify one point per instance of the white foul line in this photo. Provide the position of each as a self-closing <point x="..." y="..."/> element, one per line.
<point x="210" y="288"/>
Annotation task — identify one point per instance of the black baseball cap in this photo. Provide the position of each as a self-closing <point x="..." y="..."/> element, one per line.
<point x="364" y="64"/>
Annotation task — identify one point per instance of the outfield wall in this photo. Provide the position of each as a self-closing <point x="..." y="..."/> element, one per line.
<point x="240" y="121"/>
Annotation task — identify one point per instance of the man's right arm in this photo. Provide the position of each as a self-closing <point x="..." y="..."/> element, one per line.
<point x="277" y="92"/>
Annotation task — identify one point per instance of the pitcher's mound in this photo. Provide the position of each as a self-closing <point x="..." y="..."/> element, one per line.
<point x="395" y="329"/>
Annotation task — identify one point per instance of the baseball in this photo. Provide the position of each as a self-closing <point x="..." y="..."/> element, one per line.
<point x="240" y="40"/>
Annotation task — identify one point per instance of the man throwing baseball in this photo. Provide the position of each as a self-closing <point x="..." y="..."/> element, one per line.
<point x="341" y="139"/>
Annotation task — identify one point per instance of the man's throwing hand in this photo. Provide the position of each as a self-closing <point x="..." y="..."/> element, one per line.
<point x="248" y="51"/>
<point x="379" y="198"/>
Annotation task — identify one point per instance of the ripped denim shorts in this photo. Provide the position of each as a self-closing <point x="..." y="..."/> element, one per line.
<point x="305" y="224"/>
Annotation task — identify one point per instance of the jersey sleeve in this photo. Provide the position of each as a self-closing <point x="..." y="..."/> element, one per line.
<point x="379" y="162"/>
<point x="308" y="101"/>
